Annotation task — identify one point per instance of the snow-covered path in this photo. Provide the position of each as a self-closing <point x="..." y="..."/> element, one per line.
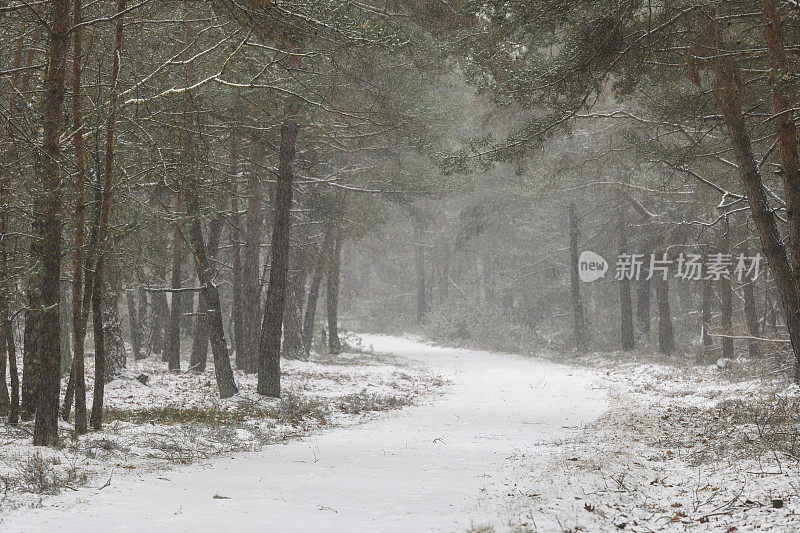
<point x="438" y="467"/>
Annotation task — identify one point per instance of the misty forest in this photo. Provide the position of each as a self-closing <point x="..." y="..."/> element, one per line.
<point x="399" y="265"/>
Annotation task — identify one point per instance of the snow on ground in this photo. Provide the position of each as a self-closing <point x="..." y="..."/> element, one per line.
<point x="609" y="443"/>
<point x="680" y="448"/>
<point x="447" y="464"/>
<point x="177" y="419"/>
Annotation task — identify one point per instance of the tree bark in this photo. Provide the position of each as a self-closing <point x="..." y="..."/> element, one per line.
<point x="99" y="351"/>
<point x="5" y="216"/>
<point x="726" y="316"/>
<point x="786" y="130"/>
<point x="5" y="203"/>
<point x="581" y="342"/>
<point x="269" y="349"/>
<point x="47" y="352"/>
<point x="76" y="385"/>
<point x="204" y="320"/>
<point x="727" y="96"/>
<point x="320" y="267"/>
<point x="102" y="234"/>
<point x="706" y="292"/>
<point x="643" y="304"/>
<point x="332" y="300"/>
<point x="116" y="353"/>
<point x="8" y="336"/>
<point x="419" y="267"/>
<point x="251" y="284"/>
<point x="141" y="297"/>
<point x="726" y="295"/>
<point x="293" y="347"/>
<point x="133" y="320"/>
<point x="160" y="314"/>
<point x="219" y="347"/>
<point x="751" y="317"/>
<point x="172" y="344"/>
<point x="64" y="328"/>
<point x="30" y="335"/>
<point x="626" y="307"/>
<point x="5" y="400"/>
<point x="239" y="330"/>
<point x="770" y="316"/>
<point x="643" y="299"/>
<point x="666" y="339"/>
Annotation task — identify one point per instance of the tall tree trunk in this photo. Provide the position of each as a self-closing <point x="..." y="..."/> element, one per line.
<point x="726" y="316"/>
<point x="706" y="293"/>
<point x="172" y="344"/>
<point x="751" y="317"/>
<point x="5" y="204"/>
<point x="76" y="385"/>
<point x="160" y="314"/>
<point x="332" y="299"/>
<point x="141" y="296"/>
<point x="29" y="365"/>
<point x="269" y="349"/>
<point x="626" y="307"/>
<point x="99" y="351"/>
<point x="419" y="267"/>
<point x="726" y="296"/>
<point x="666" y="339"/>
<point x="116" y="353"/>
<point x="770" y="316"/>
<point x="313" y="291"/>
<point x="786" y="130"/>
<point x="293" y="347"/>
<point x="133" y="320"/>
<point x="251" y="284"/>
<point x="199" y="356"/>
<point x="5" y="400"/>
<point x="102" y="234"/>
<point x="643" y="300"/>
<point x="8" y="336"/>
<point x="219" y="347"/>
<point x="45" y="430"/>
<point x="581" y="342"/>
<point x="204" y="320"/>
<point x="64" y="328"/>
<point x="239" y="330"/>
<point x="30" y="336"/>
<point x="187" y="314"/>
<point x="727" y="96"/>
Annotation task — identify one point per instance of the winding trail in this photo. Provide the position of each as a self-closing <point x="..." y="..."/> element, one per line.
<point x="443" y="466"/>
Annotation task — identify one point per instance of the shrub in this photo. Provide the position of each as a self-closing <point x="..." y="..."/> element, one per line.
<point x="475" y="323"/>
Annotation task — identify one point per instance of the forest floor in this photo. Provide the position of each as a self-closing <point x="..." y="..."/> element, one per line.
<point x="446" y="463"/>
<point x="177" y="419"/>
<point x="682" y="447"/>
<point x="485" y="442"/>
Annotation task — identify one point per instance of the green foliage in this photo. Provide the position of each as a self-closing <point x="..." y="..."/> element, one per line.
<point x="474" y="323"/>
